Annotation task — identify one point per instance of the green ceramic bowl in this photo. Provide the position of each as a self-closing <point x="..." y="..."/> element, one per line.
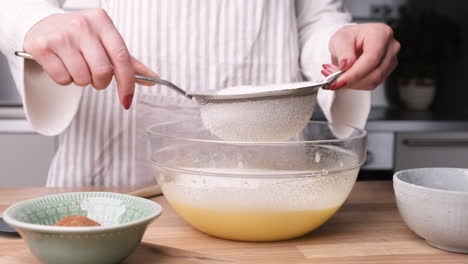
<point x="123" y="220"/>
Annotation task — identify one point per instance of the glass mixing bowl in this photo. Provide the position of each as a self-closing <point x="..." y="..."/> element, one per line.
<point x="256" y="191"/>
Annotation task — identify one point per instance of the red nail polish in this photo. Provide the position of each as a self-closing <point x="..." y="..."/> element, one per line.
<point x="340" y="84"/>
<point x="325" y="73"/>
<point x="127" y="101"/>
<point x="342" y="64"/>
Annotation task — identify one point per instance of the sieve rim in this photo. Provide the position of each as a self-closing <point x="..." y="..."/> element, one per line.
<point x="304" y="91"/>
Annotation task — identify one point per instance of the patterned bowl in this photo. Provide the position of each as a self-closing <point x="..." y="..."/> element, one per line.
<point x="123" y="220"/>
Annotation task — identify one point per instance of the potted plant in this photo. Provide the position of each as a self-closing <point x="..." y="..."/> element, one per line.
<point x="428" y="42"/>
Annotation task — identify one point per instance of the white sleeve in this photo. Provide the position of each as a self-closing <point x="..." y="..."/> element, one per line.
<point x="317" y="21"/>
<point x="49" y="108"/>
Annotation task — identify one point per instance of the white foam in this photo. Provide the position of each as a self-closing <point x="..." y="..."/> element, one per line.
<point x="324" y="190"/>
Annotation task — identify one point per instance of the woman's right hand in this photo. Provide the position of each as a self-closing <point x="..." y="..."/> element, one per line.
<point x="85" y="48"/>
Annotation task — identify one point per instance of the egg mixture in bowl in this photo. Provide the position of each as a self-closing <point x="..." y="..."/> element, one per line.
<point x="256" y="191"/>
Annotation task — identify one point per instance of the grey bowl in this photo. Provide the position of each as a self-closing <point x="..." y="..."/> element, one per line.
<point x="434" y="204"/>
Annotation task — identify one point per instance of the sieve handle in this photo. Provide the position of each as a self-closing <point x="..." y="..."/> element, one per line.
<point x="163" y="82"/>
<point x="144" y="78"/>
<point x="331" y="78"/>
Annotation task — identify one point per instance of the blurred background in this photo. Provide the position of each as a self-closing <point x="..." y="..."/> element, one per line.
<point x="419" y="116"/>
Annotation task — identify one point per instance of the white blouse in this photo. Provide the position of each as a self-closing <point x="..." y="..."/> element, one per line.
<point x="200" y="45"/>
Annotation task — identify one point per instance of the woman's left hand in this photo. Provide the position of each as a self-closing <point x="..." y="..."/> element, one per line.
<point x="366" y="52"/>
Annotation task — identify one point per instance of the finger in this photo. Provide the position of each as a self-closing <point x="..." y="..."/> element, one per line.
<point x="343" y="51"/>
<point x="325" y="73"/>
<point x="98" y="61"/>
<point x="378" y="75"/>
<point x="141" y="69"/>
<point x="395" y="48"/>
<point x="54" y="67"/>
<point x="389" y="63"/>
<point x="338" y="85"/>
<point x="76" y="65"/>
<point x="328" y="71"/>
<point x="120" y="58"/>
<point x="374" y="49"/>
<point x="331" y="67"/>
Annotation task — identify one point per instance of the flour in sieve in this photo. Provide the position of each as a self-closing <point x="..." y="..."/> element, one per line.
<point x="274" y="119"/>
<point x="248" y="89"/>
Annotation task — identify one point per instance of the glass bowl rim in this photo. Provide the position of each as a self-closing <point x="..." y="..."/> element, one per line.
<point x="361" y="134"/>
<point x="301" y="174"/>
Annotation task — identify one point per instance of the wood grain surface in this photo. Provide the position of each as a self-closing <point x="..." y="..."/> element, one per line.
<point x="367" y="229"/>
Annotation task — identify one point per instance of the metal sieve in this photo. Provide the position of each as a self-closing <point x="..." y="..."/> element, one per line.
<point x="272" y="115"/>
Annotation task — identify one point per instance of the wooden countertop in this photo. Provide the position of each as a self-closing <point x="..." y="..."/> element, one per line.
<point x="367" y="229"/>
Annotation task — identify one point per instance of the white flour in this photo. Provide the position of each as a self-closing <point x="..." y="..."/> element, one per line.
<point x="248" y="89"/>
<point x="259" y="120"/>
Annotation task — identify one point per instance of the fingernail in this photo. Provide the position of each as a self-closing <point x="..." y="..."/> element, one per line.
<point x="127" y="101"/>
<point x="325" y="73"/>
<point x="339" y="84"/>
<point x="342" y="64"/>
<point x="326" y="66"/>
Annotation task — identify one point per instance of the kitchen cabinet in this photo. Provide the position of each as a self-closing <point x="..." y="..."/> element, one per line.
<point x="8" y="93"/>
<point x="380" y="146"/>
<point x="431" y="149"/>
<point x="25" y="158"/>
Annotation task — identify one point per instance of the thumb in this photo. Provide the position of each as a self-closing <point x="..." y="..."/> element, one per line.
<point x="140" y="68"/>
<point x="343" y="49"/>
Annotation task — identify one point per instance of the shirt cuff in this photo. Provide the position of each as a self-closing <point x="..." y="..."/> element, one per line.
<point x="50" y="108"/>
<point x="345" y="107"/>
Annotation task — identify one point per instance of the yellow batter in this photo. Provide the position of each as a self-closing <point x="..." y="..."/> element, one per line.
<point x="254" y="225"/>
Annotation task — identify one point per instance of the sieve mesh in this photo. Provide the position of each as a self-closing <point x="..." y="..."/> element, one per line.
<point x="273" y="118"/>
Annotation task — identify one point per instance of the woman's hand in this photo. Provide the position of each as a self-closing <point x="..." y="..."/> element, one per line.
<point x="85" y="48"/>
<point x="367" y="53"/>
